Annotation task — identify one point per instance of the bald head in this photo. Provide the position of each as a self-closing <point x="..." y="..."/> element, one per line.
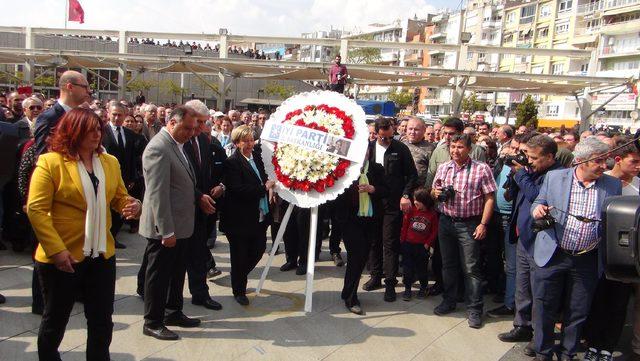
<point x="74" y="88"/>
<point x="70" y="77"/>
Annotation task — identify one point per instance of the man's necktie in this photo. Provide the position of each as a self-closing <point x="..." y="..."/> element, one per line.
<point x="120" y="140"/>
<point x="196" y="151"/>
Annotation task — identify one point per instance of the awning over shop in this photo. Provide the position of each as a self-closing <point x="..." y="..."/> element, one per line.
<point x="557" y="123"/>
<point x="261" y="101"/>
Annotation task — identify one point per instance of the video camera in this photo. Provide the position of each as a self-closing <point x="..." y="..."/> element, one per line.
<point x="519" y="157"/>
<point x="447" y="193"/>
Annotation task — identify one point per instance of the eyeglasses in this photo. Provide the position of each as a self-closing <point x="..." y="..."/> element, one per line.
<point x="35" y="107"/>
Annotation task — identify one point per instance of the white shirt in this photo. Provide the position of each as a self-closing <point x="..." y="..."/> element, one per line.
<point x="380" y="150"/>
<point x="629" y="189"/>
<point x="64" y="106"/>
<point x="114" y="129"/>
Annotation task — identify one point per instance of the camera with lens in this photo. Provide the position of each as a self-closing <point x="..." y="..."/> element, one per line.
<point x="447" y="193"/>
<point x="543" y="223"/>
<point x="519" y="158"/>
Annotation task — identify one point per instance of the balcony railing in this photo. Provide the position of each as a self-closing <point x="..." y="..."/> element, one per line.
<point x="527" y="20"/>
<point x="633" y="48"/>
<point x="604" y="5"/>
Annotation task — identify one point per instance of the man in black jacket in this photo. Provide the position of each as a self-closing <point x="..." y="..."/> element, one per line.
<point x="74" y="90"/>
<point x="526" y="184"/>
<point x="401" y="176"/>
<point x="198" y="255"/>
<point x="120" y="142"/>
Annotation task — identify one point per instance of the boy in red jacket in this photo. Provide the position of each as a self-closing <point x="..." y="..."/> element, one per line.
<point x="419" y="230"/>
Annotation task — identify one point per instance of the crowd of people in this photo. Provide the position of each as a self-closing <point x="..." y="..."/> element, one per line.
<point x="456" y="210"/>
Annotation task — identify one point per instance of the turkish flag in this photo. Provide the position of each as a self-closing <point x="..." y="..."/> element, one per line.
<point x="76" y="13"/>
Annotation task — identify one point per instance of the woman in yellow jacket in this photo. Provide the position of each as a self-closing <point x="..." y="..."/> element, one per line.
<point x="71" y="191"/>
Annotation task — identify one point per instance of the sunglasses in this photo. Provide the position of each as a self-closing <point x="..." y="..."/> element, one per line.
<point x="86" y="87"/>
<point x="35" y="107"/>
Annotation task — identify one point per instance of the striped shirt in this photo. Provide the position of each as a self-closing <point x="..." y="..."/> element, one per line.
<point x="583" y="200"/>
<point x="472" y="181"/>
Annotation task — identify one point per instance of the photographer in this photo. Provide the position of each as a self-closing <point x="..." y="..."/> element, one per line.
<point x="541" y="151"/>
<point x="338" y="75"/>
<point x="567" y="212"/>
<point x="465" y="190"/>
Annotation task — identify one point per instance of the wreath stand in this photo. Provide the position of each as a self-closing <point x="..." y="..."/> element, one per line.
<point x="308" y="292"/>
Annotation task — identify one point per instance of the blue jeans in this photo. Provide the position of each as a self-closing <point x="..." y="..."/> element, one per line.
<point x="523" y="299"/>
<point x="504" y="222"/>
<point x="460" y="251"/>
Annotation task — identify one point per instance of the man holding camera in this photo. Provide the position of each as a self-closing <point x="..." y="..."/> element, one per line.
<point x="465" y="190"/>
<point x="524" y="188"/>
<point x="567" y="213"/>
<point x="338" y="75"/>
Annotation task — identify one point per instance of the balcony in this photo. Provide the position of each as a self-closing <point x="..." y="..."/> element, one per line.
<point x="527" y="20"/>
<point x="436" y="53"/>
<point x="439" y="18"/>
<point x="413" y="58"/>
<point x="622" y="27"/>
<point x="590" y="8"/>
<point x="491" y="24"/>
<point x="437" y="36"/>
<point x="613" y="51"/>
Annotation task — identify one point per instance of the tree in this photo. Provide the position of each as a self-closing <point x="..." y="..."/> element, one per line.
<point x="364" y="55"/>
<point x="527" y="113"/>
<point x="279" y="90"/>
<point x="401" y="97"/>
<point x="141" y="84"/>
<point x="171" y="88"/>
<point x="471" y="104"/>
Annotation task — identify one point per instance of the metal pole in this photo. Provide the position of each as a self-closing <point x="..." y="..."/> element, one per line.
<point x="584" y="121"/>
<point x="311" y="257"/>
<point x="122" y="67"/>
<point x="66" y="12"/>
<point x="276" y="244"/>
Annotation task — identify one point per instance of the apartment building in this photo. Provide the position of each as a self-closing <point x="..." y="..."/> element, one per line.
<point x="320" y="53"/>
<point x="407" y="30"/>
<point x="444" y="28"/>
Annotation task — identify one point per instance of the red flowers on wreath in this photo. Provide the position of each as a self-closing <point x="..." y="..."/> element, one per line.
<point x="321" y="185"/>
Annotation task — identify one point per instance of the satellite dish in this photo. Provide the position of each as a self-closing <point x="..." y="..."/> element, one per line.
<point x="634" y="115"/>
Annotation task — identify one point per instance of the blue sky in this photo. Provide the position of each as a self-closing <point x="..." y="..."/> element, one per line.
<point x="254" y="17"/>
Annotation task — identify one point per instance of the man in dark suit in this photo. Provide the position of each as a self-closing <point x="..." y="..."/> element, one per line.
<point x="401" y="175"/>
<point x="74" y="90"/>
<point x="167" y="222"/>
<point x="120" y="142"/>
<point x="198" y="255"/>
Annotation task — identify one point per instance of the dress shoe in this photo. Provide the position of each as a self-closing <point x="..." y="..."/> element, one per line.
<point x="475" y="319"/>
<point x="373" y="283"/>
<point x="406" y="295"/>
<point x="337" y="259"/>
<point x="422" y="293"/>
<point x="390" y="293"/>
<point x="179" y="319"/>
<point x="301" y="270"/>
<point x="357" y="309"/>
<point x="242" y="299"/>
<point x="517" y="334"/>
<point x="528" y="350"/>
<point x="434" y="290"/>
<point x="207" y="302"/>
<point x="161" y="333"/>
<point x="2" y="299"/>
<point x="502" y="311"/>
<point x="213" y="272"/>
<point x="444" y="309"/>
<point x="120" y="245"/>
<point x="288" y="266"/>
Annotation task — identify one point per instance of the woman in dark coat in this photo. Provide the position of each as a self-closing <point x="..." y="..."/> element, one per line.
<point x="245" y="215"/>
<point x="359" y="211"/>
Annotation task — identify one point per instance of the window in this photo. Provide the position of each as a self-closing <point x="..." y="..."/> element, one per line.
<point x="584" y="67"/>
<point x="537" y="69"/>
<point x="543" y="33"/>
<point x="552" y="110"/>
<point x="557" y="69"/>
<point x="564" y="5"/>
<point x="562" y="28"/>
<point x="545" y="10"/>
<point x="527" y="14"/>
<point x="508" y="38"/>
<point x="511" y="17"/>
